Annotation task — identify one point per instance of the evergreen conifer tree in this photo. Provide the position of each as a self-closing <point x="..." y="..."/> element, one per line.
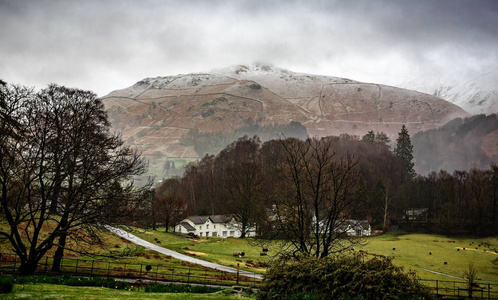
<point x="404" y="151"/>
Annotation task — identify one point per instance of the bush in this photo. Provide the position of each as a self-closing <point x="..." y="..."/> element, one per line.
<point x="6" y="284"/>
<point x="346" y="277"/>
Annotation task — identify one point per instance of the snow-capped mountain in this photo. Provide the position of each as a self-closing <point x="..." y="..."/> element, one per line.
<point x="476" y="94"/>
<point x="156" y="112"/>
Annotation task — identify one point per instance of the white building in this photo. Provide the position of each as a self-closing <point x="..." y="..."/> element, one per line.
<point x="217" y="225"/>
<point x="355" y="227"/>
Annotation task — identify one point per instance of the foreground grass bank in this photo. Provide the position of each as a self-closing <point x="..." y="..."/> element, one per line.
<point x="53" y="291"/>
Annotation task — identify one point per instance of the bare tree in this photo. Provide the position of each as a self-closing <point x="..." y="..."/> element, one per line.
<point x="65" y="171"/>
<point x="240" y="173"/>
<point x="169" y="204"/>
<point x="316" y="198"/>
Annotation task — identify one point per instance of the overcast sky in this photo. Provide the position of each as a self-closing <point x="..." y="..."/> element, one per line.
<point x="108" y="45"/>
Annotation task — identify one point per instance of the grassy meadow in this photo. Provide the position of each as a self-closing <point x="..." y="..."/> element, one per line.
<point x="53" y="291"/>
<point x="417" y="252"/>
<point x="412" y="251"/>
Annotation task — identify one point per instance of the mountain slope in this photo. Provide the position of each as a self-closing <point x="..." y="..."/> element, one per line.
<point x="155" y="112"/>
<point x="477" y="94"/>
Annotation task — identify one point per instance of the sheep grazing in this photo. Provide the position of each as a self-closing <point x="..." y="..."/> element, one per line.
<point x="236" y="254"/>
<point x="430" y="253"/>
<point x="242" y="254"/>
<point x="458" y="249"/>
<point x="445" y="262"/>
<point x="394" y="249"/>
<point x="148" y="268"/>
<point x="263" y="254"/>
<point x="265" y="249"/>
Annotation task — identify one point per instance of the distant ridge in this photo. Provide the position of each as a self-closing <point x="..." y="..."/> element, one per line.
<point x="155" y="112"/>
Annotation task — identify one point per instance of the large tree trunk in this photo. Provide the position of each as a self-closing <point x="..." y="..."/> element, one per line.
<point x="166" y="224"/>
<point x="28" y="266"/>
<point x="59" y="253"/>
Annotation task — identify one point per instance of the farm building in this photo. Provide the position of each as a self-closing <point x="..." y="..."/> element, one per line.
<point x="216" y="225"/>
<point x="355" y="227"/>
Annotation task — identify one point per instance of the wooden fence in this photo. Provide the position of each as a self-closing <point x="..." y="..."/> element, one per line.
<point x="9" y="264"/>
<point x="460" y="289"/>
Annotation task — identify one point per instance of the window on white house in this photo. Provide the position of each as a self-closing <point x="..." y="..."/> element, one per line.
<point x="200" y="227"/>
<point x="224" y="234"/>
<point x="207" y="233"/>
<point x="214" y="226"/>
<point x="200" y="233"/>
<point x="214" y="233"/>
<point x="207" y="226"/>
<point x="232" y="233"/>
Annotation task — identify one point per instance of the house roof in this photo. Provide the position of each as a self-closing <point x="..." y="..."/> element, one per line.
<point x="187" y="226"/>
<point x="198" y="220"/>
<point x="221" y="218"/>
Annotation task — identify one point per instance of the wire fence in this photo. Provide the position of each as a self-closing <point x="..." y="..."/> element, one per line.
<point x="10" y="263"/>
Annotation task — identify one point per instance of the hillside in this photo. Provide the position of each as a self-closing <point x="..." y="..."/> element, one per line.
<point x="461" y="144"/>
<point x="476" y="94"/>
<point x="155" y="112"/>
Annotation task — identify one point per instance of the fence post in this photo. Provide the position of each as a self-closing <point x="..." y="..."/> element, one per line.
<point x="108" y="267"/>
<point x="140" y="274"/>
<point x="188" y="278"/>
<point x="157" y="270"/>
<point x="62" y="264"/>
<point x="46" y="263"/>
<point x="91" y="270"/>
<point x="489" y="290"/>
<point x="238" y="267"/>
<point x="76" y="271"/>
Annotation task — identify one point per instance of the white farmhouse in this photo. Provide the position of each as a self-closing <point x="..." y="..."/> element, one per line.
<point x="216" y="225"/>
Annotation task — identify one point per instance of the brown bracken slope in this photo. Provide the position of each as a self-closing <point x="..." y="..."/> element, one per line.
<point x="155" y="112"/>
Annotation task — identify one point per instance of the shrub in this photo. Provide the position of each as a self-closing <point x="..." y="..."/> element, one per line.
<point x="346" y="277"/>
<point x="6" y="284"/>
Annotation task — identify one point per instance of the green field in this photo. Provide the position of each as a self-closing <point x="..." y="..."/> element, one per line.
<point x="52" y="291"/>
<point x="418" y="252"/>
<point x="412" y="251"/>
<point x="430" y="251"/>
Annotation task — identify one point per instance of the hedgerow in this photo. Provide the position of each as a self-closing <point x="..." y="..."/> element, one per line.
<point x="6" y="284"/>
<point x="346" y="277"/>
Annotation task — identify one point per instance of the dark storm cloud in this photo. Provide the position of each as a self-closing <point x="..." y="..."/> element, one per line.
<point x="106" y="45"/>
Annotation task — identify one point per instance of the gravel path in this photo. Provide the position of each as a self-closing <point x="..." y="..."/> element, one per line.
<point x="134" y="239"/>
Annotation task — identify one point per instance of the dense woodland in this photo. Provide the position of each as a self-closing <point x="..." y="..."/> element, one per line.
<point x="249" y="178"/>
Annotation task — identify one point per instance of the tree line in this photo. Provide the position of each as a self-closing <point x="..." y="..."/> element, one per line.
<point x="303" y="190"/>
<point x="299" y="191"/>
<point x="64" y="175"/>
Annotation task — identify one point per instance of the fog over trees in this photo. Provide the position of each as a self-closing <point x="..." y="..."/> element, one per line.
<point x="461" y="144"/>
